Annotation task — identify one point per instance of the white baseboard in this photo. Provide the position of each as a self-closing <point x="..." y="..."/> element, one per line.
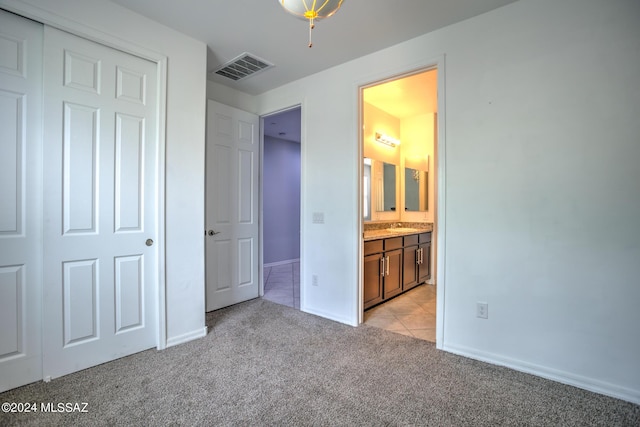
<point x="329" y="316"/>
<point x="563" y="377"/>
<point x="287" y="261"/>
<point x="189" y="336"/>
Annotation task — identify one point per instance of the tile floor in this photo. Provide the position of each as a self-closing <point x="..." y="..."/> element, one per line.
<point x="412" y="313"/>
<point x="282" y="284"/>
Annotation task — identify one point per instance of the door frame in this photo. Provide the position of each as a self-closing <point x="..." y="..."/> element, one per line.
<point x="388" y="74"/>
<point x="262" y="116"/>
<point x="161" y="61"/>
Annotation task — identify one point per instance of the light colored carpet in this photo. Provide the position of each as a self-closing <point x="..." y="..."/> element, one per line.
<point x="267" y="364"/>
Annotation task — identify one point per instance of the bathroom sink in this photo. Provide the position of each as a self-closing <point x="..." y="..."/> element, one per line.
<point x="402" y="230"/>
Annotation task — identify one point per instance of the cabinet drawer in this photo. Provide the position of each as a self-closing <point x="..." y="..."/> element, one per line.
<point x="425" y="237"/>
<point x="373" y="247"/>
<point x="393" y="243"/>
<point x="411" y="240"/>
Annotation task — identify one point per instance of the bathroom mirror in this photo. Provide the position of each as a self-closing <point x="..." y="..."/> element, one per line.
<point x="416" y="194"/>
<point x="380" y="182"/>
<point x="389" y="187"/>
<point x="366" y="190"/>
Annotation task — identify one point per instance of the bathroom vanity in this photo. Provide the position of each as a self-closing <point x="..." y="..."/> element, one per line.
<point x="395" y="260"/>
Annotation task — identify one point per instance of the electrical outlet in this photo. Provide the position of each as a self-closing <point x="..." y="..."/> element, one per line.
<point x="482" y="310"/>
<point x="314" y="280"/>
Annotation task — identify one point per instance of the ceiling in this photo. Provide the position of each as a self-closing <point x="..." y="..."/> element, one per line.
<point x="406" y="96"/>
<point x="284" y="125"/>
<point x="264" y="29"/>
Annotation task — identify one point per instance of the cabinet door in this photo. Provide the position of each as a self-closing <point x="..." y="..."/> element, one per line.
<point x="393" y="273"/>
<point x="372" y="280"/>
<point x="424" y="270"/>
<point x="410" y="267"/>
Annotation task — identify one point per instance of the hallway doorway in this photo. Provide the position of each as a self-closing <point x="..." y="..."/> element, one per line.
<point x="281" y="207"/>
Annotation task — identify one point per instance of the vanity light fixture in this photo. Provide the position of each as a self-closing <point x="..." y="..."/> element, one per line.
<point x="311" y="10"/>
<point x="387" y="140"/>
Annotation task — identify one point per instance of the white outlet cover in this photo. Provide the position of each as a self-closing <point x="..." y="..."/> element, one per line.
<point x="482" y="310"/>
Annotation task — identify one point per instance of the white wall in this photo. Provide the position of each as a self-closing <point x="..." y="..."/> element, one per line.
<point x="231" y="97"/>
<point x="418" y="149"/>
<point x="280" y="200"/>
<point x="541" y="172"/>
<point x="542" y="197"/>
<point x="185" y="130"/>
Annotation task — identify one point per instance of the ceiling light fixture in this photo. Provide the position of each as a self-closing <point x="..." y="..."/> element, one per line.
<point x="311" y="10"/>
<point x="387" y="140"/>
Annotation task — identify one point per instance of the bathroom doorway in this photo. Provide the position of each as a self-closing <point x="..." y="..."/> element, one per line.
<point x="281" y="206"/>
<point x="399" y="138"/>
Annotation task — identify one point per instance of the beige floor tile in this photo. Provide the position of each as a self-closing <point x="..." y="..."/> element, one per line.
<point x="418" y="321"/>
<point x="380" y="309"/>
<point x="389" y="323"/>
<point x="424" y="334"/>
<point x="412" y="313"/>
<point x="403" y="332"/>
<point x="282" y="284"/>
<point x="421" y="298"/>
<point x="405" y="308"/>
<point x="430" y="308"/>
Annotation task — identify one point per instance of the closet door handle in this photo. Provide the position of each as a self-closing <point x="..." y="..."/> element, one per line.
<point x="387" y="266"/>
<point x="382" y="269"/>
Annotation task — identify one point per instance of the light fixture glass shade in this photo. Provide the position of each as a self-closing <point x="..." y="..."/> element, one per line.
<point x="311" y="10"/>
<point x="387" y="140"/>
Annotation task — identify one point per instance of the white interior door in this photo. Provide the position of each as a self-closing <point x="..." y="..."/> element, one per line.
<point x="20" y="200"/>
<point x="100" y="204"/>
<point x="231" y="206"/>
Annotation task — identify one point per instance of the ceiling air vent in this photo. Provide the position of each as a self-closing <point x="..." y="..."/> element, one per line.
<point x="242" y="66"/>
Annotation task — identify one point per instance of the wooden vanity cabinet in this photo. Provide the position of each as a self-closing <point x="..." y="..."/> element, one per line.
<point x="392" y="283"/>
<point x="382" y="270"/>
<point x="424" y="257"/>
<point x="394" y="265"/>
<point x="410" y="262"/>
<point x="372" y="273"/>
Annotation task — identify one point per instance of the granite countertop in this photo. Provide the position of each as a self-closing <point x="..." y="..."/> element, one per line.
<point x="405" y="230"/>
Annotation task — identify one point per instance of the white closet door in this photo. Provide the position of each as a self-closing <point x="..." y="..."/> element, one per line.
<point x="20" y="200"/>
<point x="232" y="206"/>
<point x="100" y="205"/>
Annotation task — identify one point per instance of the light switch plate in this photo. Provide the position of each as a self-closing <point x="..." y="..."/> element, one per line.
<point x="318" y="218"/>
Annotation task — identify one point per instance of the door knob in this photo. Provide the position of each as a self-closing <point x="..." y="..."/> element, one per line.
<point x="212" y="233"/>
<point x="149" y="242"/>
